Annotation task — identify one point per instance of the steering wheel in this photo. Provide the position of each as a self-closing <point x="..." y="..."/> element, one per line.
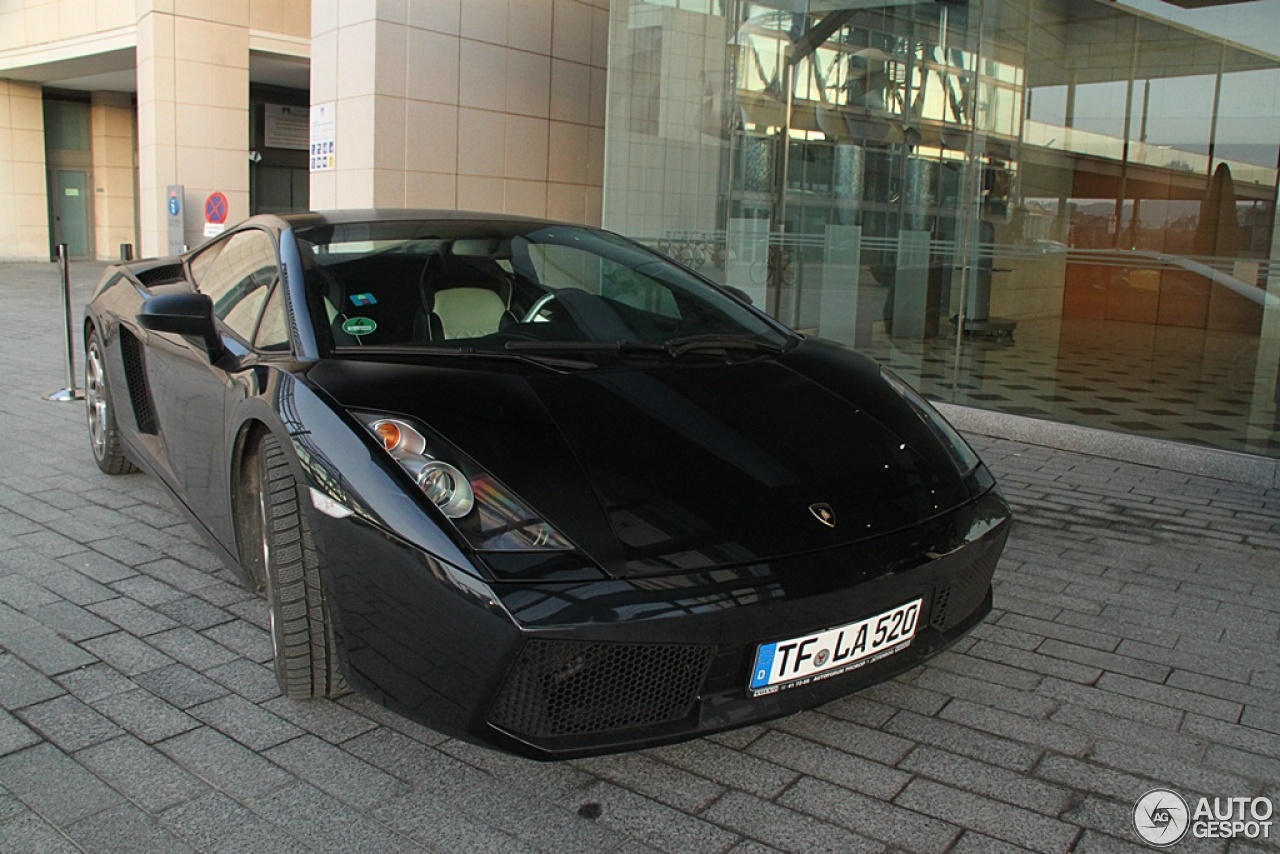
<point x="535" y="312"/>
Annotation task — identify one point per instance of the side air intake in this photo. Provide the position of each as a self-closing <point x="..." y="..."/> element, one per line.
<point x="135" y="374"/>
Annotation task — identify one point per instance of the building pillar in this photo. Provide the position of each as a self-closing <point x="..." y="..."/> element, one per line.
<point x="193" y="115"/>
<point x="24" y="216"/>
<point x="114" y="173"/>
<point x="493" y="105"/>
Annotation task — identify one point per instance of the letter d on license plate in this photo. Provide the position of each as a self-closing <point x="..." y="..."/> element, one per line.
<point x="799" y="661"/>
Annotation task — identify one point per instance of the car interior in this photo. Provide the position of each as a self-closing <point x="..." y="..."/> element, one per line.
<point x="418" y="297"/>
<point x="506" y="293"/>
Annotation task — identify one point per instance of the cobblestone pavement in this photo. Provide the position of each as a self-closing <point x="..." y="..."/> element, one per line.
<point x="1134" y="645"/>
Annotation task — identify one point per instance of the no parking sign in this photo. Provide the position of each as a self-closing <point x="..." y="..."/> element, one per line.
<point x="215" y="214"/>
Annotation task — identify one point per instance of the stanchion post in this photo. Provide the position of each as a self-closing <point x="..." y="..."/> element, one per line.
<point x="69" y="393"/>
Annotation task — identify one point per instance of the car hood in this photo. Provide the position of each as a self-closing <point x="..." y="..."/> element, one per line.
<point x="678" y="466"/>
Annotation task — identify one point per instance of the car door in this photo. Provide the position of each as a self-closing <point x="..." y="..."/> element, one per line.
<point x="194" y="394"/>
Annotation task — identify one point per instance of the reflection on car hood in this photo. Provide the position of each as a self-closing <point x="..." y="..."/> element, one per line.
<point x="672" y="467"/>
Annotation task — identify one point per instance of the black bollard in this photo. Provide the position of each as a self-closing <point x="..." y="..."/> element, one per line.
<point x="69" y="393"/>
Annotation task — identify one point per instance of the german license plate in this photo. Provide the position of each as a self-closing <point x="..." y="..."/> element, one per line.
<point x="809" y="658"/>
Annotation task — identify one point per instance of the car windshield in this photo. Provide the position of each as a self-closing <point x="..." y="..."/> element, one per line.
<point x="529" y="290"/>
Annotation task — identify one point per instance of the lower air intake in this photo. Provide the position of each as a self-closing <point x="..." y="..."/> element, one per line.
<point x="567" y="688"/>
<point x="955" y="600"/>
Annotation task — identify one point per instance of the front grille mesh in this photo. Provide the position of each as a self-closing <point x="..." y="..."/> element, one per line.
<point x="566" y="688"/>
<point x="958" y="598"/>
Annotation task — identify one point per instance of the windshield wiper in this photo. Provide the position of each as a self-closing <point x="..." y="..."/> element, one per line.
<point x="673" y="347"/>
<point x="468" y="353"/>
<point x="718" y="343"/>
<point x="624" y="346"/>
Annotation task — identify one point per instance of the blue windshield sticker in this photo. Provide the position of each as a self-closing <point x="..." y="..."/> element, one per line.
<point x="363" y="299"/>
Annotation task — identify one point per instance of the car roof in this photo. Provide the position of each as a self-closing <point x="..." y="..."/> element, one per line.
<point x="312" y="219"/>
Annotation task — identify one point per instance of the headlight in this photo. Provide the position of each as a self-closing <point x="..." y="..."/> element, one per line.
<point x="486" y="513"/>
<point x="447" y="488"/>
<point x="398" y="438"/>
<point x="504" y="522"/>
<point x="963" y="456"/>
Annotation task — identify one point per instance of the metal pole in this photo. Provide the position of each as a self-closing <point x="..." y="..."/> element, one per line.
<point x="778" y="226"/>
<point x="69" y="393"/>
<point x="968" y="232"/>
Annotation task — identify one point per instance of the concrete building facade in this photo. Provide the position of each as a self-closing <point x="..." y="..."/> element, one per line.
<point x="485" y="104"/>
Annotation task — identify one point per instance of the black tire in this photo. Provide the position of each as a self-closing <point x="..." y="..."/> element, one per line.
<point x="104" y="432"/>
<point x="306" y="659"/>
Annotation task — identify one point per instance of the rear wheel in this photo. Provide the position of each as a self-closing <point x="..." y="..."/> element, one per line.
<point x="104" y="433"/>
<point x="306" y="660"/>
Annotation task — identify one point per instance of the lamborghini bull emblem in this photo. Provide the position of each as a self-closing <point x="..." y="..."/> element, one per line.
<point x="823" y="513"/>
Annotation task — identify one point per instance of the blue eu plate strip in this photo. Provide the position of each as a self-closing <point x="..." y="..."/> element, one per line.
<point x="764" y="666"/>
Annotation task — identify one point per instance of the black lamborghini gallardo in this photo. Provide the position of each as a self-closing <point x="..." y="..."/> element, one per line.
<point x="534" y="484"/>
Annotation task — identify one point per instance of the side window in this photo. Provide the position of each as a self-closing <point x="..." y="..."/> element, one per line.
<point x="273" y="328"/>
<point x="237" y="274"/>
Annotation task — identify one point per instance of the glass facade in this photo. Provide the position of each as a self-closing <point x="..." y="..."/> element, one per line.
<point x="1056" y="208"/>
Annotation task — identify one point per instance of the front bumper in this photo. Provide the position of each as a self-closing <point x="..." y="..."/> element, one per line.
<point x="557" y="670"/>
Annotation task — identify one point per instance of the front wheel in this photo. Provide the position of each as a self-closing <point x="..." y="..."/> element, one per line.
<point x="104" y="432"/>
<point x="306" y="659"/>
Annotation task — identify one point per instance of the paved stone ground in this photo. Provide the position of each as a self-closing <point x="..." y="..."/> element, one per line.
<point x="1134" y="645"/>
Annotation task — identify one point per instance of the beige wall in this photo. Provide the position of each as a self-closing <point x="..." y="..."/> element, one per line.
<point x="493" y="105"/>
<point x="24" y="203"/>
<point x="114" y="178"/>
<point x="193" y="115"/>
<point x="281" y="17"/>
<point x="29" y="22"/>
<point x="486" y="104"/>
<point x="24" y="23"/>
<point x="192" y="120"/>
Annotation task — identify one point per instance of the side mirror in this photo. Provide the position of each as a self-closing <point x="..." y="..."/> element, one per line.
<point x="737" y="293"/>
<point x="183" y="314"/>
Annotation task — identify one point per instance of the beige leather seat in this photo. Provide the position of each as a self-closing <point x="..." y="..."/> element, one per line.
<point x="466" y="298"/>
<point x="469" y="312"/>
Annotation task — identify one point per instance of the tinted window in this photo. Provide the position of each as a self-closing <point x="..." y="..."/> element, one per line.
<point x="516" y="287"/>
<point x="237" y="274"/>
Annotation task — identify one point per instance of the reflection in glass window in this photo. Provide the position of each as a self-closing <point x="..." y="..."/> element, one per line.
<point x="236" y="273"/>
<point x="273" y="328"/>
<point x="1057" y="209"/>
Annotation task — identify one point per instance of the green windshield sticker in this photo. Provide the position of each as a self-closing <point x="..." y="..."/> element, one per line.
<point x="358" y="326"/>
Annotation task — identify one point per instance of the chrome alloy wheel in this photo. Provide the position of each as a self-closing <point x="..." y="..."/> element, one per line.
<point x="96" y="400"/>
<point x="273" y="626"/>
